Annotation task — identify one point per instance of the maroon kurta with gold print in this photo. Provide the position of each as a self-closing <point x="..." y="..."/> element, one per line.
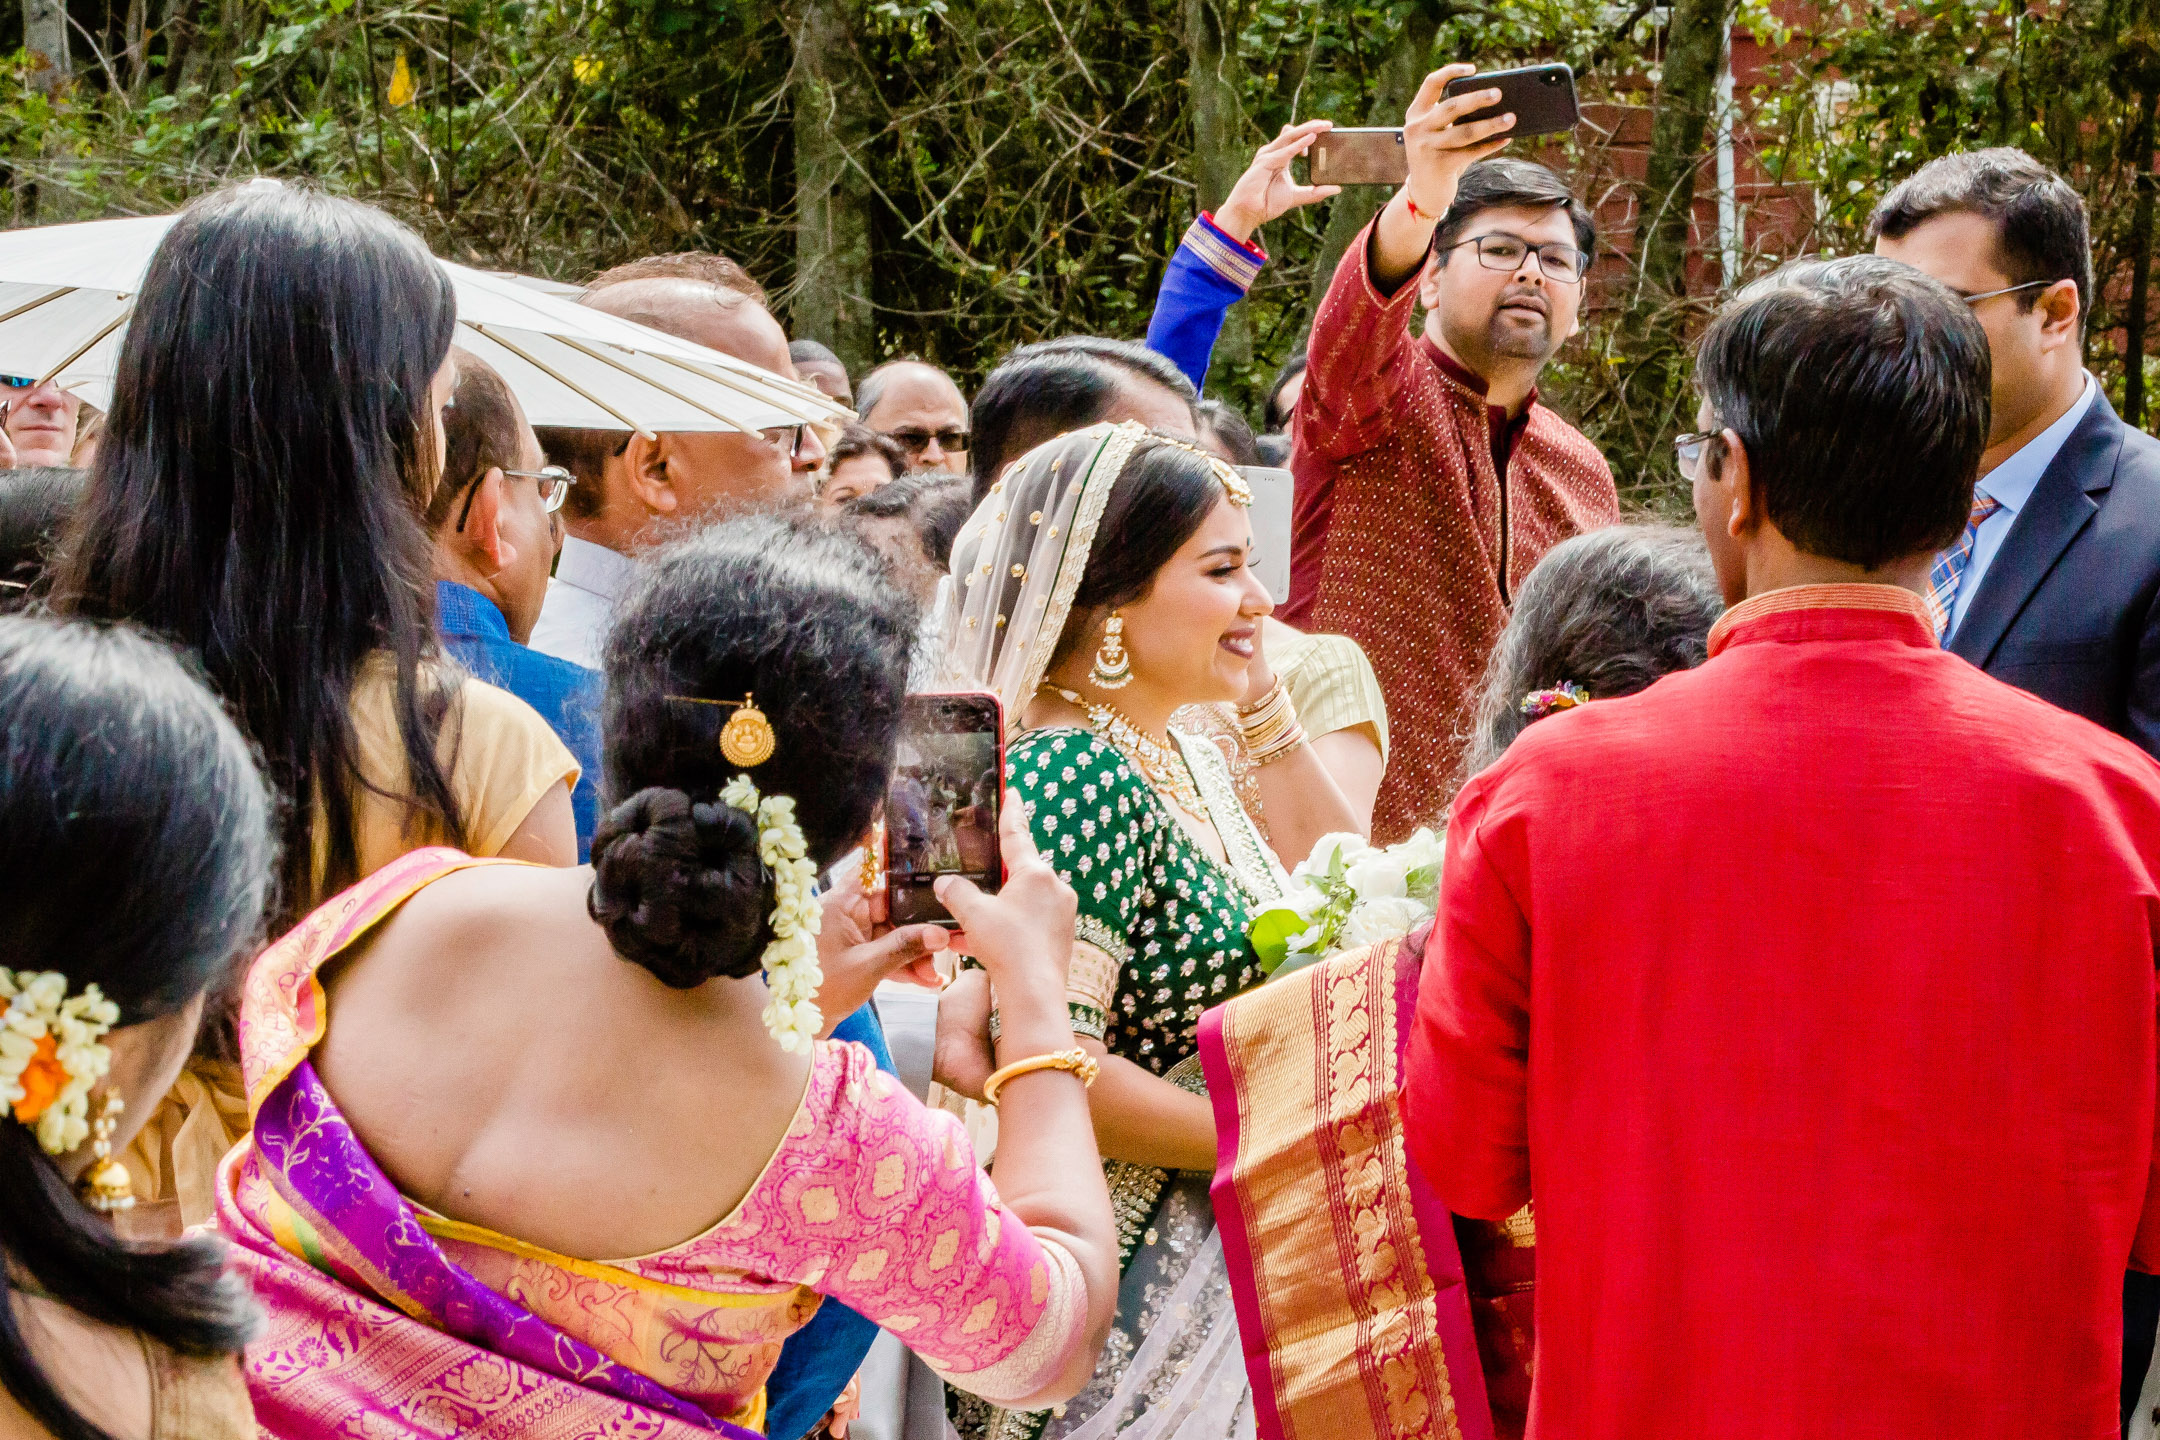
<point x="1409" y="536"/>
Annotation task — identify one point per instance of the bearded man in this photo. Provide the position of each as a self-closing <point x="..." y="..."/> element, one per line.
<point x="1429" y="478"/>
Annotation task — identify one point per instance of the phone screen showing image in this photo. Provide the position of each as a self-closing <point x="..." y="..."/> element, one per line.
<point x="941" y="810"/>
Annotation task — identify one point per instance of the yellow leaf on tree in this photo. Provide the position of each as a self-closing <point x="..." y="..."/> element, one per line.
<point x="587" y="68"/>
<point x="401" y="90"/>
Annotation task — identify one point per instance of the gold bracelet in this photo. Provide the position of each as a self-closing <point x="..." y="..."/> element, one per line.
<point x="1283" y="744"/>
<point x="1270" y="725"/>
<point x="1078" y="1061"/>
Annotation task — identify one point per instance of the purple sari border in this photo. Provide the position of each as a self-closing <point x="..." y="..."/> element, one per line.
<point x="318" y="1166"/>
<point x="1231" y="1227"/>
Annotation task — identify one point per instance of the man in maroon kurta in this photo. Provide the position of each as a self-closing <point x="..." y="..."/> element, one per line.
<point x="1429" y="478"/>
<point x="1811" y="992"/>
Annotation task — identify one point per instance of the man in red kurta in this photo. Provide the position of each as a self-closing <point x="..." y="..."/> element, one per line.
<point x="1811" y="992"/>
<point x="1429" y="478"/>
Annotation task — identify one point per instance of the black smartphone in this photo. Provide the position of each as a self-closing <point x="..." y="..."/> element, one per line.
<point x="941" y="809"/>
<point x="1541" y="97"/>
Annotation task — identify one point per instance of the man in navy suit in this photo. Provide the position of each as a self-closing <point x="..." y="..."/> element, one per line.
<point x="2055" y="585"/>
<point x="2053" y="589"/>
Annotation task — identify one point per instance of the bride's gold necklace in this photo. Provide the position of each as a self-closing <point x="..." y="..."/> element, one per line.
<point x="1163" y="765"/>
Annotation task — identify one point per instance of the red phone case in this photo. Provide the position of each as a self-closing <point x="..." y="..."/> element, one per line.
<point x="911" y="901"/>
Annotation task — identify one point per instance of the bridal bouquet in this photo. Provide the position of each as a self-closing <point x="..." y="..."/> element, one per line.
<point x="1345" y="894"/>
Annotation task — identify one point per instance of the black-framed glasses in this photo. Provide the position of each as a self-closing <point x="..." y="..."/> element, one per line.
<point x="1563" y="263"/>
<point x="787" y="439"/>
<point x="1688" y="449"/>
<point x="2006" y="290"/>
<point x="951" y="440"/>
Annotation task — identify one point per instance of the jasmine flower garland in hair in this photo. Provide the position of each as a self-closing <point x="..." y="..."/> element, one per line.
<point x="790" y="962"/>
<point x="52" y="1053"/>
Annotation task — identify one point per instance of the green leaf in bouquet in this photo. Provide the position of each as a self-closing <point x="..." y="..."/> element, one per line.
<point x="1271" y="932"/>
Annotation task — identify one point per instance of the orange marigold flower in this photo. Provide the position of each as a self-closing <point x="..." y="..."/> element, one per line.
<point x="42" y="1081"/>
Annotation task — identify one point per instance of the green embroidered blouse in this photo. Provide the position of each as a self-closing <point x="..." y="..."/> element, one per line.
<point x="1161" y="933"/>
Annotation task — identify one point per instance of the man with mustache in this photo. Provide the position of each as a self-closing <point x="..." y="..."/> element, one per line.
<point x="1429" y="478"/>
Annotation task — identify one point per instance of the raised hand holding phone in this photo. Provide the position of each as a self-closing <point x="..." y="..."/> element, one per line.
<point x="1438" y="145"/>
<point x="1023" y="936"/>
<point x="1267" y="189"/>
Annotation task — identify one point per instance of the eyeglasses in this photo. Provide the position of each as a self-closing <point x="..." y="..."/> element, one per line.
<point x="787" y="439"/>
<point x="554" y="484"/>
<point x="1688" y="449"/>
<point x="951" y="441"/>
<point x="1563" y="263"/>
<point x="2006" y="290"/>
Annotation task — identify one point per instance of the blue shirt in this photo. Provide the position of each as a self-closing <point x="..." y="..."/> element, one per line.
<point x="2010" y="485"/>
<point x="566" y="695"/>
<point x="1208" y="274"/>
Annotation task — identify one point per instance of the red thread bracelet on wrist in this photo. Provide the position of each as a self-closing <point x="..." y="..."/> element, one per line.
<point x="1415" y="213"/>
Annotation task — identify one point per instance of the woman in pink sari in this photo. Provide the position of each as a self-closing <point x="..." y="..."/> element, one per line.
<point x="548" y="1174"/>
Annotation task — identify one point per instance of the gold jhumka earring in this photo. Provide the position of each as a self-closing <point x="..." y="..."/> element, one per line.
<point x="106" y="1186"/>
<point x="1113" y="667"/>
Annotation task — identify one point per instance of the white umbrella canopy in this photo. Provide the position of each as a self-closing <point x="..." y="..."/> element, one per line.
<point x="66" y="292"/>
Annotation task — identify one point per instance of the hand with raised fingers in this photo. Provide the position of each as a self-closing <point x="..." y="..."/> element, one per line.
<point x="857" y="950"/>
<point x="1023" y="934"/>
<point x="1267" y="189"/>
<point x="1439" y="146"/>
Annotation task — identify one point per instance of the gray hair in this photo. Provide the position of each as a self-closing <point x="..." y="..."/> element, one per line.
<point x="1610" y="611"/>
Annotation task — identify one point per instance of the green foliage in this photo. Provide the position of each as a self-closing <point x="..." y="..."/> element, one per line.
<point x="1028" y="161"/>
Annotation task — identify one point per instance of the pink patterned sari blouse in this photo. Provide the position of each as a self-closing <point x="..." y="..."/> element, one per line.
<point x="871" y="1198"/>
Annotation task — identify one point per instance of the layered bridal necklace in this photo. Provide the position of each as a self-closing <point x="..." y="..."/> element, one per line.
<point x="1164" y="767"/>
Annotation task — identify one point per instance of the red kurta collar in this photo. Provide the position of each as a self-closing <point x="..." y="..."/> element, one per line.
<point x="1904" y="615"/>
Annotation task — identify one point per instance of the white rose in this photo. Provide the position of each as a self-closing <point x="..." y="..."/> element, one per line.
<point x="1378" y="875"/>
<point x="1349" y="845"/>
<point x="1382" y="919"/>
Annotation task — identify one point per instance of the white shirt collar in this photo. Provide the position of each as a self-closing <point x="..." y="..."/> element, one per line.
<point x="596" y="568"/>
<point x="2011" y="483"/>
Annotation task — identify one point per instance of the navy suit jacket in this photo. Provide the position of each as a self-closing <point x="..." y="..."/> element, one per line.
<point x="2070" y="607"/>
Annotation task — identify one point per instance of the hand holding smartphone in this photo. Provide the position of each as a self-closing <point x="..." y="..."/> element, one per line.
<point x="942" y="807"/>
<point x="1541" y="97"/>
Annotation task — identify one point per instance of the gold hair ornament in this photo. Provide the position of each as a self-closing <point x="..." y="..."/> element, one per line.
<point x="747" y="737"/>
<point x="1233" y="483"/>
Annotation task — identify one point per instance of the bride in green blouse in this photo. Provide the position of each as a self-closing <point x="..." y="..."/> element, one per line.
<point x="1104" y="585"/>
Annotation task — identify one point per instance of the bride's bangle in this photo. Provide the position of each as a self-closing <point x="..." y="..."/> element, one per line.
<point x="1270" y="725"/>
<point x="1078" y="1061"/>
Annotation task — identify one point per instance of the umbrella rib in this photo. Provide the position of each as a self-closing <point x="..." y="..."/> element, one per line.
<point x="720" y="376"/>
<point x="605" y="359"/>
<point x="550" y="371"/>
<point x="24" y="309"/>
<point x="115" y="323"/>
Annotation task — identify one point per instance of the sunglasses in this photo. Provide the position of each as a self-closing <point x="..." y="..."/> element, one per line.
<point x="553" y="481"/>
<point x="952" y="442"/>
<point x="19" y="382"/>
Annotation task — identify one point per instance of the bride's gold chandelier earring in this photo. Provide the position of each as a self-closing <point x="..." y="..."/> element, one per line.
<point x="1113" y="667"/>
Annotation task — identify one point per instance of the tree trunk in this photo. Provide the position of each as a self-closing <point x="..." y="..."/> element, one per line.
<point x="831" y="296"/>
<point x="1686" y="100"/>
<point x="1408" y="63"/>
<point x="2141" y="247"/>
<point x="1216" y="82"/>
<point x="45" y="37"/>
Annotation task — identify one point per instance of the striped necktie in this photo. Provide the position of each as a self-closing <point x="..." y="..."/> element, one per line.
<point x="1949" y="571"/>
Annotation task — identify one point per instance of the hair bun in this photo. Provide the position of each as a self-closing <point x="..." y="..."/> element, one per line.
<point x="679" y="888"/>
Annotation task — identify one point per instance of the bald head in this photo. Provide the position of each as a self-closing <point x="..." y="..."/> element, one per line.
<point x="702" y="313"/>
<point x="919" y="407"/>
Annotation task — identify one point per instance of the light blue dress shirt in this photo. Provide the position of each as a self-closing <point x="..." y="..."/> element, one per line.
<point x="2010" y="485"/>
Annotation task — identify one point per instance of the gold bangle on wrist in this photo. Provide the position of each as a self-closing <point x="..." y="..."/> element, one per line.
<point x="1078" y="1061"/>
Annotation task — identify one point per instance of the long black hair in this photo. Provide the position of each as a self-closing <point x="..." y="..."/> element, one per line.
<point x="135" y="854"/>
<point x="803" y="620"/>
<point x="259" y="493"/>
